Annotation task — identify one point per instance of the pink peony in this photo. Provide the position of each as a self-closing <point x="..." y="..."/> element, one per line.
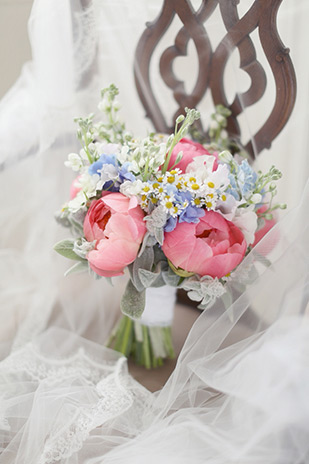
<point x="190" y="150"/>
<point x="116" y="223"/>
<point x="213" y="247"/>
<point x="269" y="223"/>
<point x="75" y="187"/>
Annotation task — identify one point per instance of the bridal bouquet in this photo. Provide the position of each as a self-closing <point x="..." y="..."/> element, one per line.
<point x="165" y="209"/>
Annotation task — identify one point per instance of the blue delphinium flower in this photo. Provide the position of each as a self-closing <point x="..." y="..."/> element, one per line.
<point x="95" y="168"/>
<point x="109" y="169"/>
<point x="125" y="174"/>
<point x="170" y="224"/>
<point x="246" y="179"/>
<point x="191" y="214"/>
<point x="243" y="182"/>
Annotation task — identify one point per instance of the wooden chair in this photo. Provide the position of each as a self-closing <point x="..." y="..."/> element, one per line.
<point x="261" y="16"/>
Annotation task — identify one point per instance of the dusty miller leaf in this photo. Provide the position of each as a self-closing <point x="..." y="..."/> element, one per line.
<point x="133" y="302"/>
<point x="65" y="248"/>
<point x="77" y="268"/>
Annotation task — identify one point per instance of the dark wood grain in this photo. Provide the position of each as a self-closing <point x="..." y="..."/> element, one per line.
<point x="261" y="16"/>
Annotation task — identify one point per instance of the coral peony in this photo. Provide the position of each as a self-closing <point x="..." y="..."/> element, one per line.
<point x="213" y="247"/>
<point x="75" y="187"/>
<point x="116" y="223"/>
<point x="190" y="150"/>
<point x="269" y="223"/>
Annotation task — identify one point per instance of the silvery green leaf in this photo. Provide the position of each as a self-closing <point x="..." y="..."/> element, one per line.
<point x="144" y="261"/>
<point x="204" y="289"/>
<point x="149" y="241"/>
<point x="133" y="302"/>
<point x="151" y="279"/>
<point x="159" y="256"/>
<point x="109" y="280"/>
<point x="159" y="235"/>
<point x="157" y="219"/>
<point x="82" y="247"/>
<point x="81" y="266"/>
<point x="65" y="248"/>
<point x="170" y="278"/>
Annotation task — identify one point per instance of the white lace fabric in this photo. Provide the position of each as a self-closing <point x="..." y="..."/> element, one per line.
<point x="239" y="392"/>
<point x="91" y="393"/>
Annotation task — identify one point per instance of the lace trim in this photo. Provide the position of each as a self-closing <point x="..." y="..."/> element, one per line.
<point x="114" y="399"/>
<point x="117" y="394"/>
<point x="39" y="368"/>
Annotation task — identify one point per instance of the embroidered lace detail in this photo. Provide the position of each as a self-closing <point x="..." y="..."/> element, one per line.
<point x="114" y="399"/>
<point x="39" y="368"/>
<point x="114" y="393"/>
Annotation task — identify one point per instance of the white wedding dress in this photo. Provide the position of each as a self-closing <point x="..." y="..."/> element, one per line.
<point x="239" y="392"/>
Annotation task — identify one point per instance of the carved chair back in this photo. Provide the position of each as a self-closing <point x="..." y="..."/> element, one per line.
<point x="212" y="62"/>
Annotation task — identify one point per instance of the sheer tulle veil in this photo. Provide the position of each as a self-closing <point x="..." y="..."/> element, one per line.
<point x="239" y="389"/>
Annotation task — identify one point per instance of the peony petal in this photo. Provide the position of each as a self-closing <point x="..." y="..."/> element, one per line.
<point x="112" y="255"/>
<point x="117" y="202"/>
<point x="103" y="273"/>
<point x="220" y="265"/>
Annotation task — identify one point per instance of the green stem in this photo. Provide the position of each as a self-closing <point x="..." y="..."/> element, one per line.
<point x="168" y="342"/>
<point x="146" y="348"/>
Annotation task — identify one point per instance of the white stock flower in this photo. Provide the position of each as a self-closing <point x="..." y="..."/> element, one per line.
<point x="227" y="208"/>
<point x="77" y="202"/>
<point x="107" y="148"/>
<point x="89" y="184"/>
<point x="246" y="220"/>
<point x="130" y="189"/>
<point x="74" y="162"/>
<point x="201" y="165"/>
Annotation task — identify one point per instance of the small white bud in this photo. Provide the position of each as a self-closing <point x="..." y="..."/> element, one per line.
<point x="225" y="156"/>
<point x="256" y="198"/>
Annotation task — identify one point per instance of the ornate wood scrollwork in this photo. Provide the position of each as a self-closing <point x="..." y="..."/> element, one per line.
<point x="262" y="16"/>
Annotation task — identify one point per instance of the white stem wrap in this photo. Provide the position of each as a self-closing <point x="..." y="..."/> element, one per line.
<point x="159" y="309"/>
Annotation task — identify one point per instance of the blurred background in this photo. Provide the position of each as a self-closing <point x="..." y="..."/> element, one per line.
<point x="14" y="43"/>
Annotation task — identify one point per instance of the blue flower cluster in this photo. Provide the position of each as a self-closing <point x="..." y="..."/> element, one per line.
<point x="116" y="173"/>
<point x="186" y="211"/>
<point x="243" y="181"/>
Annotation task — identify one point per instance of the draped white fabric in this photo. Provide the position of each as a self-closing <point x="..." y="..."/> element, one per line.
<point x="239" y="390"/>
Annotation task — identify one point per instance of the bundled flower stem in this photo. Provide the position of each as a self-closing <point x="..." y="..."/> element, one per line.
<point x="147" y="345"/>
